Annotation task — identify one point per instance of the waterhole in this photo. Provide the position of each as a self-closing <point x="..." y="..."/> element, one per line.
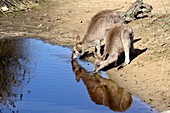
<point x="36" y="77"/>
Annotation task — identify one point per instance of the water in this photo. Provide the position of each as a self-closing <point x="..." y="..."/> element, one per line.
<point x="36" y="77"/>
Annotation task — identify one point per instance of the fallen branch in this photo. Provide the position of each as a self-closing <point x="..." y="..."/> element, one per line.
<point x="137" y="8"/>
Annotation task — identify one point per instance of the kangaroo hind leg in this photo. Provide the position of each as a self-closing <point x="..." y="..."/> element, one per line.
<point x="126" y="41"/>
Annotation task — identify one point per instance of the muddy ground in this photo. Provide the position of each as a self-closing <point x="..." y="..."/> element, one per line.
<point x="59" y="22"/>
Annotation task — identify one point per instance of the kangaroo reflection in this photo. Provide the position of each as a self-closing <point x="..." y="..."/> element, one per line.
<point x="103" y="91"/>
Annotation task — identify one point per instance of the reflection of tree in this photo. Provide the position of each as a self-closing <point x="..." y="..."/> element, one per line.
<point x="13" y="68"/>
<point x="103" y="91"/>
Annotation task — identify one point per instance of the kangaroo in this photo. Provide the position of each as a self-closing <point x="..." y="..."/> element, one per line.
<point x="119" y="39"/>
<point x="102" y="91"/>
<point x="96" y="31"/>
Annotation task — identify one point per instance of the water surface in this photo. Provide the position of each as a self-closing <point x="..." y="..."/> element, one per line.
<point x="36" y="77"/>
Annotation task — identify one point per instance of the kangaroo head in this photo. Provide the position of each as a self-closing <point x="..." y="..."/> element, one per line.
<point x="77" y="49"/>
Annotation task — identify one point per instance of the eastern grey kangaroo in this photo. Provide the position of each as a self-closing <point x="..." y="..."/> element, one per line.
<point x="96" y="31"/>
<point x="119" y="39"/>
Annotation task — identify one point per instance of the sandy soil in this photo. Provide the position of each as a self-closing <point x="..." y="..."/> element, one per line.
<point x="59" y="22"/>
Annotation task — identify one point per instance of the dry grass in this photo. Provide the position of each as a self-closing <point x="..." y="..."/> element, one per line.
<point x="17" y="5"/>
<point x="154" y="35"/>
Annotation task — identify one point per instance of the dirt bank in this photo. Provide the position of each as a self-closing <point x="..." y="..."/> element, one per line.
<point x="58" y="22"/>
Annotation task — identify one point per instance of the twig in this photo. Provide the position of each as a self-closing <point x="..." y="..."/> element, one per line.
<point x="3" y="12"/>
<point x="166" y="11"/>
<point x="162" y="69"/>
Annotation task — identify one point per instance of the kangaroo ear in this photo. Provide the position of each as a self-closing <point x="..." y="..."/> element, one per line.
<point x="78" y="40"/>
